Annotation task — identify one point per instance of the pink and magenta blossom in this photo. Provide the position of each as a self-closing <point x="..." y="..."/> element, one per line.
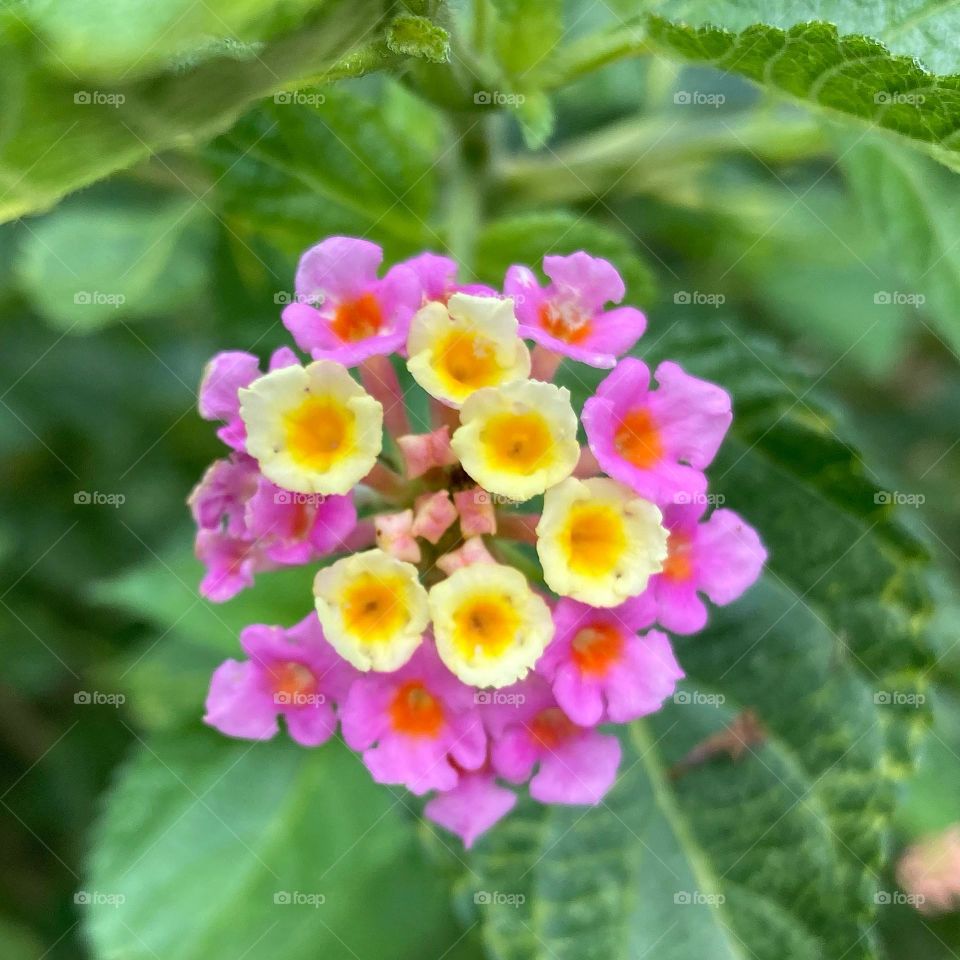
<point x="720" y="557"/>
<point x="472" y="807"/>
<point x="602" y="669"/>
<point x="291" y="673"/>
<point x="343" y="311"/>
<point x="659" y="441"/>
<point x="226" y="374"/>
<point x="531" y="734"/>
<point x="568" y="315"/>
<point x="418" y="726"/>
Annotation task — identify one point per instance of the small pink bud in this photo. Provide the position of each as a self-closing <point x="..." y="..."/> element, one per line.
<point x="433" y="514"/>
<point x="475" y="507"/>
<point x="395" y="535"/>
<point x="473" y="551"/>
<point x="424" y="451"/>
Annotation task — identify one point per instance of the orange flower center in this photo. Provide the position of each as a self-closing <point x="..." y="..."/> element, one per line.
<point x="551" y="727"/>
<point x="679" y="562"/>
<point x="596" y="648"/>
<point x="357" y="319"/>
<point x="415" y="711"/>
<point x="638" y="440"/>
<point x="293" y="680"/>
<point x="564" y="321"/>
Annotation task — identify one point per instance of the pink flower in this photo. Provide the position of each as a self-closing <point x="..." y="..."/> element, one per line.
<point x="657" y="441"/>
<point x="929" y="872"/>
<point x="438" y="278"/>
<point x="424" y="451"/>
<point x="568" y="316"/>
<point x="223" y="376"/>
<point x="292" y="673"/>
<point x="418" y="726"/>
<point x="477" y="515"/>
<point x="343" y="312"/>
<point x="472" y="807"/>
<point x="395" y="535"/>
<point x="601" y="669"/>
<point x="473" y="551"/>
<point x="248" y="524"/>
<point x="575" y="764"/>
<point x="433" y="515"/>
<point x="720" y="557"/>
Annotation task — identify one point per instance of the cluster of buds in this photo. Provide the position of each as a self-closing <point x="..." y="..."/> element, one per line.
<point x="488" y="589"/>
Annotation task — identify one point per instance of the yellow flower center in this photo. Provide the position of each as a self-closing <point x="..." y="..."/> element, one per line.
<point x="468" y="361"/>
<point x="319" y="432"/>
<point x="594" y="539"/>
<point x="485" y="623"/>
<point x="517" y="442"/>
<point x="374" y="608"/>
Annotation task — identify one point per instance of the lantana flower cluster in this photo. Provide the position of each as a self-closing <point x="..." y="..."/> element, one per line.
<point x="448" y="662"/>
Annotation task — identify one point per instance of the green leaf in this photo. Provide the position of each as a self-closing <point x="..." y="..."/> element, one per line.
<point x="60" y="133"/>
<point x="216" y="849"/>
<point x="89" y="264"/>
<point x="910" y="203"/>
<point x="778" y="854"/>
<point x="527" y="238"/>
<point x="120" y="38"/>
<point x="527" y="32"/>
<point x="842" y="67"/>
<point x="419" y="37"/>
<point x="292" y="172"/>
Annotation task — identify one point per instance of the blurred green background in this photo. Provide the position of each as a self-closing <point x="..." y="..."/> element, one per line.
<point x="729" y="211"/>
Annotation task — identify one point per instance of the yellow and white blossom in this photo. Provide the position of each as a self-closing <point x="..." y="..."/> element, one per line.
<point x="490" y="627"/>
<point x="519" y="439"/>
<point x="373" y="609"/>
<point x="312" y="429"/>
<point x="599" y="542"/>
<point x="468" y="343"/>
